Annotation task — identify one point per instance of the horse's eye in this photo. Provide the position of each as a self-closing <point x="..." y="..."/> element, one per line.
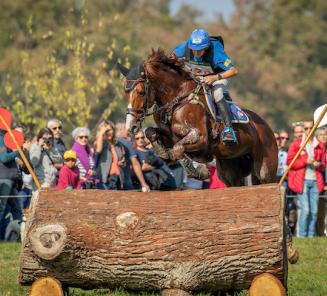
<point x="142" y="94"/>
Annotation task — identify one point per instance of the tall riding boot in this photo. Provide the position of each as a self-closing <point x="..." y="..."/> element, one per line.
<point x="228" y="135"/>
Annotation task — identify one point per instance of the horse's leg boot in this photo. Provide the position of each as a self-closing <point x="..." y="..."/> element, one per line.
<point x="201" y="172"/>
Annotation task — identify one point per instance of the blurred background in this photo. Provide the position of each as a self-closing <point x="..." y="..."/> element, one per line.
<point x="57" y="58"/>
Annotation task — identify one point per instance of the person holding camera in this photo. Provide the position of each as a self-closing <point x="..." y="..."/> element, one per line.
<point x="110" y="157"/>
<point x="45" y="159"/>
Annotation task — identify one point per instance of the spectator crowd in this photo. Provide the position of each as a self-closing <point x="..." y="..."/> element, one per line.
<point x="111" y="160"/>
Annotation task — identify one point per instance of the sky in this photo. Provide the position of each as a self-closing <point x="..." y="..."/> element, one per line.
<point x="210" y="7"/>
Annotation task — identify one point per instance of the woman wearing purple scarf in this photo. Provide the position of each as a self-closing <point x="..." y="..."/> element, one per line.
<point x="85" y="160"/>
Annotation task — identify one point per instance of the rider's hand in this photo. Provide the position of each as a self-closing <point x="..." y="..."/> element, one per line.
<point x="210" y="79"/>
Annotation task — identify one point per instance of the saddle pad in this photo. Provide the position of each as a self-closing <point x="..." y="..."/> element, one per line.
<point x="237" y="114"/>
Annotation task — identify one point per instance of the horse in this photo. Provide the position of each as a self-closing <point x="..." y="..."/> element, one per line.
<point x="185" y="126"/>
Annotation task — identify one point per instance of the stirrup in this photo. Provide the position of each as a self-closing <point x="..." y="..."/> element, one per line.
<point x="228" y="136"/>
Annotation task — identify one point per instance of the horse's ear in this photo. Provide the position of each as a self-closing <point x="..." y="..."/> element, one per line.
<point x="122" y="69"/>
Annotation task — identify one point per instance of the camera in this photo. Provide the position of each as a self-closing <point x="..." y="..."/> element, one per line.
<point x="47" y="141"/>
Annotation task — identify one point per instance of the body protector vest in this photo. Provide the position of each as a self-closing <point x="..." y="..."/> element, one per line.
<point x="206" y="66"/>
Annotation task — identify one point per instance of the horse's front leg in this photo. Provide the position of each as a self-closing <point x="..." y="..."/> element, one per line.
<point x="160" y="142"/>
<point x="190" y="136"/>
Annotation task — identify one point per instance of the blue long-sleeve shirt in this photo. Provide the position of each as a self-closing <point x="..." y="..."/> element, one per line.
<point x="5" y="154"/>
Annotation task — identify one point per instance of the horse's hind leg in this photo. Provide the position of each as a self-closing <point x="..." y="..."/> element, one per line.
<point x="264" y="168"/>
<point x="232" y="171"/>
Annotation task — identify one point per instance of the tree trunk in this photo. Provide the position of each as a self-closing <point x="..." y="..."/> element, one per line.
<point x="196" y="240"/>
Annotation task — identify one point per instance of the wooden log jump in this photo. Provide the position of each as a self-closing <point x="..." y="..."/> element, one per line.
<point x="196" y="240"/>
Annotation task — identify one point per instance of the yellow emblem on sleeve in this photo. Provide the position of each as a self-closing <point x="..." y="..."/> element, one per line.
<point x="227" y="62"/>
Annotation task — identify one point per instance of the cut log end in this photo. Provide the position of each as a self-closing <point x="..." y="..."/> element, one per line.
<point x="46" y="286"/>
<point x="266" y="285"/>
<point x="48" y="241"/>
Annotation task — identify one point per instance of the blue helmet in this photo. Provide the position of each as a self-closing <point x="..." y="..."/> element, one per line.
<point x="199" y="39"/>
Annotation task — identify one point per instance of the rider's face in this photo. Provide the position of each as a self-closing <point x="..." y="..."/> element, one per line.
<point x="198" y="53"/>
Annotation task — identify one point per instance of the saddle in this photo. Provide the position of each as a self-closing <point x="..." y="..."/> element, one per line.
<point x="237" y="114"/>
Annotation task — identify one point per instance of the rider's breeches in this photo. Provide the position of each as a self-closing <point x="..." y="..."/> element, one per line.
<point x="218" y="88"/>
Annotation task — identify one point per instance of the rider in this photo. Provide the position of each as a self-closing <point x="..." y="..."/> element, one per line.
<point x="202" y="50"/>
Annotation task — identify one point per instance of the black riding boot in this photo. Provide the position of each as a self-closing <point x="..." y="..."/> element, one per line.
<point x="228" y="134"/>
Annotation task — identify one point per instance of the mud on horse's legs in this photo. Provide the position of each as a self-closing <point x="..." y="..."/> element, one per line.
<point x="190" y="136"/>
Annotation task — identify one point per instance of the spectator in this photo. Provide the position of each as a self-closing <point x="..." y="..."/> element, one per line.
<point x="322" y="206"/>
<point x="131" y="159"/>
<point x="283" y="138"/>
<point x="306" y="179"/>
<point x="282" y="154"/>
<point x="322" y="138"/>
<point x="276" y="134"/>
<point x="156" y="172"/>
<point x="9" y="175"/>
<point x="27" y="186"/>
<point x="45" y="159"/>
<point x="55" y="126"/>
<point x="110" y="157"/>
<point x="214" y="181"/>
<point x="298" y="129"/>
<point x="85" y="160"/>
<point x="69" y="174"/>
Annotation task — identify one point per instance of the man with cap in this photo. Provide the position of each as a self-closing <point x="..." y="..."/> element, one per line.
<point x="206" y="57"/>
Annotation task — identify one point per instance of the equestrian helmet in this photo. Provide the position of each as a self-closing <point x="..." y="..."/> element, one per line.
<point x="199" y="39"/>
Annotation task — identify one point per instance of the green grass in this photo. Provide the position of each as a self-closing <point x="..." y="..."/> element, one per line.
<point x="306" y="278"/>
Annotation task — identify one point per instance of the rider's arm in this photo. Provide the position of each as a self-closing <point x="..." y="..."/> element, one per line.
<point x="227" y="74"/>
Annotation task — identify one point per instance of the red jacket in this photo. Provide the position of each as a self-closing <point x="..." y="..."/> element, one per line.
<point x="297" y="173"/>
<point x="69" y="177"/>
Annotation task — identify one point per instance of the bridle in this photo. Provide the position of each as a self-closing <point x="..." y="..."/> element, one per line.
<point x="139" y="113"/>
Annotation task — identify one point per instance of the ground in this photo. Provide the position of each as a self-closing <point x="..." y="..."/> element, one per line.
<point x="306" y="278"/>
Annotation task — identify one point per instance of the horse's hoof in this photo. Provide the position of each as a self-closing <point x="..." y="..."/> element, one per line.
<point x="292" y="254"/>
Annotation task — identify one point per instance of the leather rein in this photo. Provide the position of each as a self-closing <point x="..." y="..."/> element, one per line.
<point x="167" y="109"/>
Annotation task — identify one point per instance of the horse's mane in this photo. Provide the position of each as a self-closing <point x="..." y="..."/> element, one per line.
<point x="158" y="58"/>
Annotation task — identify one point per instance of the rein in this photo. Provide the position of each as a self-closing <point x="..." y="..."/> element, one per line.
<point x="168" y="108"/>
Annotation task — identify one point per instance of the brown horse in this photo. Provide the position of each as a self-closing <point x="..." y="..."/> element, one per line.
<point x="185" y="124"/>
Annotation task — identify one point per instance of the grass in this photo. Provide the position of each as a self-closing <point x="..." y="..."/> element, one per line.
<point x="306" y="278"/>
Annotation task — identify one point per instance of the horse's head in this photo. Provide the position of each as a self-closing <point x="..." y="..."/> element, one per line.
<point x="140" y="97"/>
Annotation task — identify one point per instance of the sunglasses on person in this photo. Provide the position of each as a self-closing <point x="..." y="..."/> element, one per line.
<point x="284" y="138"/>
<point x="139" y="138"/>
<point x="307" y="128"/>
<point x="83" y="137"/>
<point x="56" y="128"/>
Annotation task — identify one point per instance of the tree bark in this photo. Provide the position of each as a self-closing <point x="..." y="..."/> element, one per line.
<point x="196" y="240"/>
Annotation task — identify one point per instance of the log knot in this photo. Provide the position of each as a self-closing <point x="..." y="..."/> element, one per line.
<point x="127" y="220"/>
<point x="48" y="241"/>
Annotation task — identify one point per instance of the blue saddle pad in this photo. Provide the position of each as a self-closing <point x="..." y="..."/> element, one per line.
<point x="237" y="114"/>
